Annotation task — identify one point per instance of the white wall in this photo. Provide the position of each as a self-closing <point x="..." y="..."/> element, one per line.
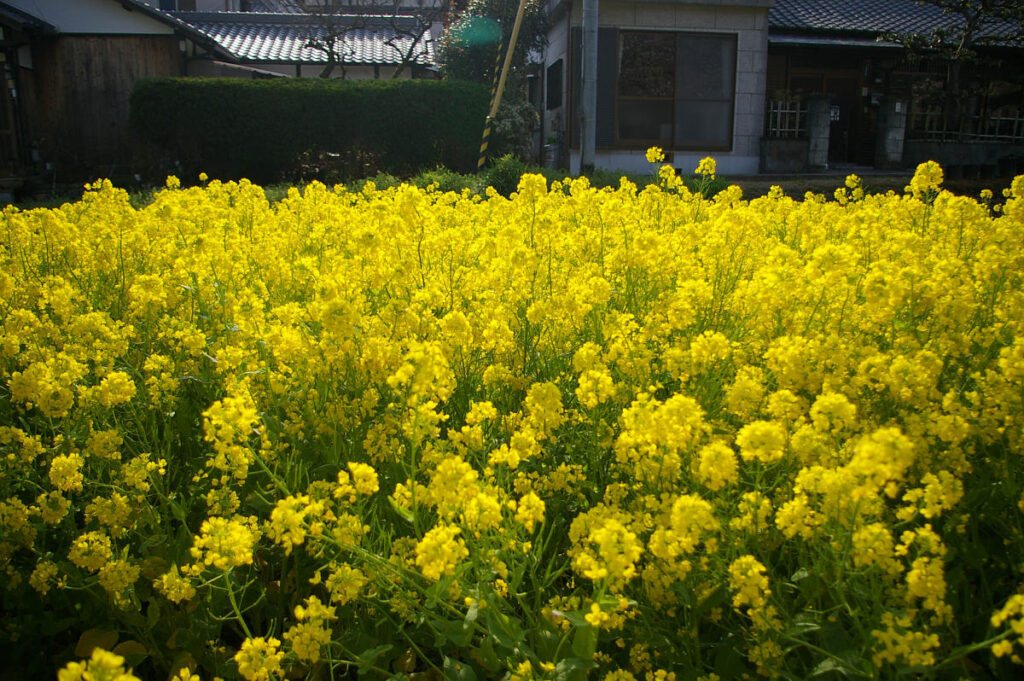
<point x="101" y="17"/>
<point x="555" y="121"/>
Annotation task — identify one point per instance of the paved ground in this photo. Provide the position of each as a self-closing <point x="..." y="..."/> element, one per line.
<point x="826" y="182"/>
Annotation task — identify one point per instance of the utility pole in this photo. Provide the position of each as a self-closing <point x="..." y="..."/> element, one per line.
<point x="499" y="88"/>
<point x="588" y="107"/>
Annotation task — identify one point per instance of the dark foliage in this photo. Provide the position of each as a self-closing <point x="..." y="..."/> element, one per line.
<point x="288" y="129"/>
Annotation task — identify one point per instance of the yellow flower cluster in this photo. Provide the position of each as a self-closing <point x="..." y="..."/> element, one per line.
<point x="440" y="551"/>
<point x="383" y="428"/>
<point x="102" y="665"/>
<point x="259" y="659"/>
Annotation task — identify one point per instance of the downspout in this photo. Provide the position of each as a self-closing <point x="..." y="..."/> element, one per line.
<point x="588" y="105"/>
<point x="569" y="107"/>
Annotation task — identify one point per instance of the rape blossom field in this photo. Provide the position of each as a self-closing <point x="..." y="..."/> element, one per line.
<point x="620" y="435"/>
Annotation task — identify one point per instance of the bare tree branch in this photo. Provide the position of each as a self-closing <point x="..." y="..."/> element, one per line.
<point x="405" y="23"/>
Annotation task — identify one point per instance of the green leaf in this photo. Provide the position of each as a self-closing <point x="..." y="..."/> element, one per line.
<point x="714" y="599"/>
<point x="804" y="623"/>
<point x="403" y="513"/>
<point x="455" y="670"/>
<point x="505" y="630"/>
<point x="844" y="668"/>
<point x="575" y="617"/>
<point x="829" y="665"/>
<point x="132" y="651"/>
<point x="368" y="658"/>
<point x="458" y="632"/>
<point x="572" y="669"/>
<point x="584" y="642"/>
<point x="729" y="662"/>
<point x="95" y="638"/>
<point x="486" y="656"/>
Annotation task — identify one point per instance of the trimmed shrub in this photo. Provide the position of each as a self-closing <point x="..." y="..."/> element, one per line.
<point x="268" y="130"/>
<point x="503" y="174"/>
<point x="446" y="181"/>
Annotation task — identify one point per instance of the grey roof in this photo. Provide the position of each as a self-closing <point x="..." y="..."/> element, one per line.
<point x="864" y="17"/>
<point x="24" y="21"/>
<point x="283" y="38"/>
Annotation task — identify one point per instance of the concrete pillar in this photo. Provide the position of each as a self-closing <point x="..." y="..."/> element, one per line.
<point x="818" y="126"/>
<point x="892" y="129"/>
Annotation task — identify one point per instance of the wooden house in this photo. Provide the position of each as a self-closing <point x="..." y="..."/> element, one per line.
<point x="71" y="66"/>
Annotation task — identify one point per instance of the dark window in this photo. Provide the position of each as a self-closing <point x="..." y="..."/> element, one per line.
<point x="647" y="87"/>
<point x="675" y="89"/>
<point x="554" y="85"/>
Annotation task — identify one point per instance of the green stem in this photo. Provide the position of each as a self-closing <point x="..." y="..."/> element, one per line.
<point x="234" y="604"/>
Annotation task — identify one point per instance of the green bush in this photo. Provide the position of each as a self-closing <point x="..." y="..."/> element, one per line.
<point x="446" y="180"/>
<point x="503" y="174"/>
<point x="268" y="130"/>
<point x="380" y="181"/>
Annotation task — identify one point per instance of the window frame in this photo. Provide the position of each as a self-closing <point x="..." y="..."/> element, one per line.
<point x="676" y="99"/>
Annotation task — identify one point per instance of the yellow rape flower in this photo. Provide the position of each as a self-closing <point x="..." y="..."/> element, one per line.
<point x="609" y="552"/>
<point x="292" y="518"/>
<point x="654" y="155"/>
<point x="344" y="583"/>
<point x="763" y="441"/>
<point x="927" y="178"/>
<point x="42" y="576"/>
<point x="748" y="580"/>
<point x="66" y="472"/>
<point x="364" y="478"/>
<point x="175" y="586"/>
<point x="707" y="167"/>
<point x="440" y="551"/>
<point x="259" y="659"/>
<point x="530" y="511"/>
<point x="717" y="466"/>
<point x="224" y="543"/>
<point x="102" y="665"/>
<point x="91" y="551"/>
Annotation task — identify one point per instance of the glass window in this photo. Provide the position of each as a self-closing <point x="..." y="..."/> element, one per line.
<point x="554" y="82"/>
<point x="646" y="65"/>
<point x="676" y="89"/>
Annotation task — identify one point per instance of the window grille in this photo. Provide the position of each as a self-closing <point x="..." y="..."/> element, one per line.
<point x="929" y="123"/>
<point x="787" y="118"/>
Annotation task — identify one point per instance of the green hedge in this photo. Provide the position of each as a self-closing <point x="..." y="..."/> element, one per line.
<point x="267" y="130"/>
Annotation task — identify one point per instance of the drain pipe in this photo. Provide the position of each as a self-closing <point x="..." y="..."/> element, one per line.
<point x="588" y="106"/>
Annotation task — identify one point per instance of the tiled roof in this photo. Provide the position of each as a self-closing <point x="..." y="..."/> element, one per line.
<point x="859" y="17"/>
<point x="284" y="38"/>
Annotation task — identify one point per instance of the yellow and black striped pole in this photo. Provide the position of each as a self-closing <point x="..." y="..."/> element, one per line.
<point x="496" y="98"/>
<point x="490" y="103"/>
